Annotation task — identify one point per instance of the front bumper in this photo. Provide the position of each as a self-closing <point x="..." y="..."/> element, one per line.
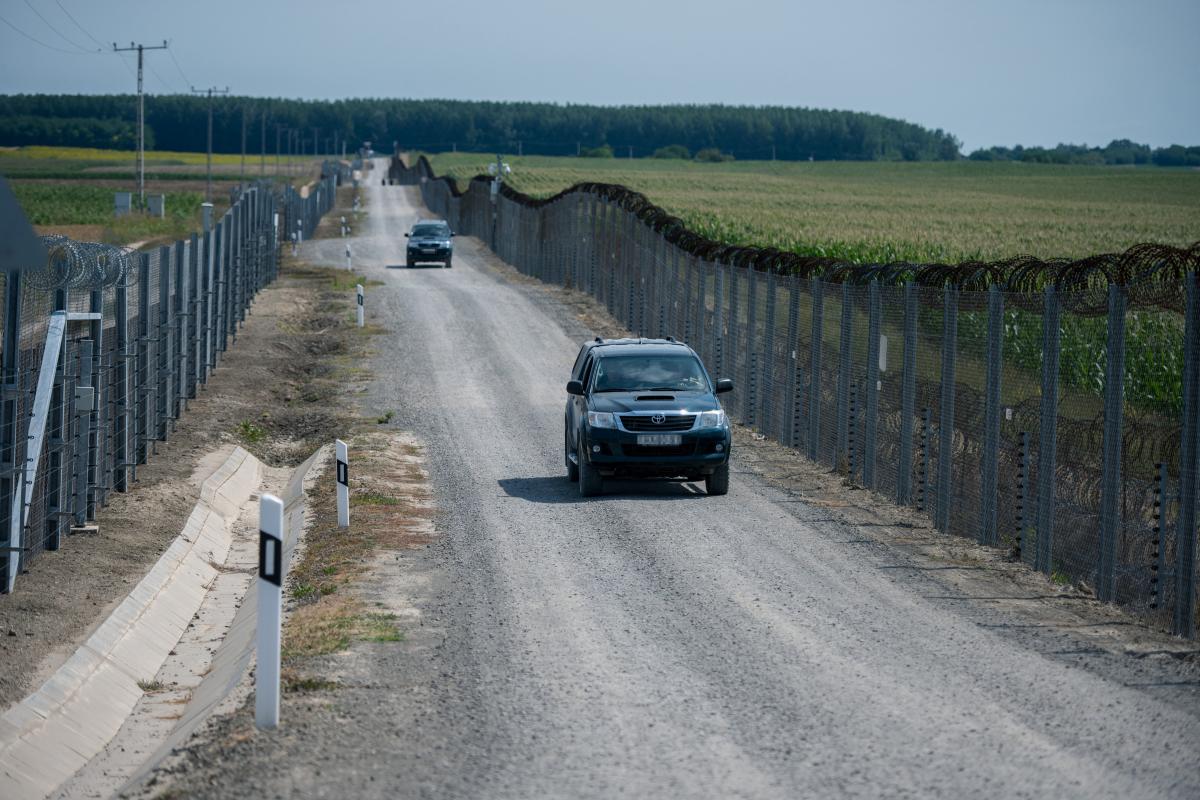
<point x="432" y="254"/>
<point x="699" y="453"/>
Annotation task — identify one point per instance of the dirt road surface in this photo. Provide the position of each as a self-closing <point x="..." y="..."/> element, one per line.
<point x="656" y="642"/>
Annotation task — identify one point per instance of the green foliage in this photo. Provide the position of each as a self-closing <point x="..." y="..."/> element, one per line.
<point x="179" y="123"/>
<point x="712" y="155"/>
<point x="672" y="151"/>
<point x="882" y="212"/>
<point x="1116" y="152"/>
<point x="112" y="133"/>
<point x="251" y="433"/>
<point x="603" y="151"/>
<point x="76" y="204"/>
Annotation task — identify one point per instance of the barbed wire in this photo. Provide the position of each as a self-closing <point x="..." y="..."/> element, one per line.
<point x="1151" y="274"/>
<point x="82" y="265"/>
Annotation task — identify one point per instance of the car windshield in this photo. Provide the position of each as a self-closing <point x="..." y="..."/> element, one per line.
<point x="430" y="230"/>
<point x="681" y="373"/>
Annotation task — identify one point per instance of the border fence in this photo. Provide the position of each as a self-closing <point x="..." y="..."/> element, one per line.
<point x="1048" y="407"/>
<point x="102" y="348"/>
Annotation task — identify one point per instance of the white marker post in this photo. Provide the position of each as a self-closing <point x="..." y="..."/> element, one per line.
<point x="360" y="306"/>
<point x="348" y="255"/>
<point x="343" y="485"/>
<point x="270" y="611"/>
<point x="300" y="231"/>
<point x="343" y="227"/>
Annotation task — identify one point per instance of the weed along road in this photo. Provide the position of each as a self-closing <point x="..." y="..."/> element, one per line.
<point x="658" y="642"/>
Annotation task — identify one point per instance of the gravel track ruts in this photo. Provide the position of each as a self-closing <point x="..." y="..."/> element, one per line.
<point x="659" y="642"/>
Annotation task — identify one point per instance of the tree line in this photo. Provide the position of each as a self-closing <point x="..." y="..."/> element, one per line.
<point x="1116" y="152"/>
<point x="179" y="122"/>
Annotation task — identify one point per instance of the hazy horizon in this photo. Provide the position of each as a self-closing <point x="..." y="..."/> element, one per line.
<point x="1020" y="72"/>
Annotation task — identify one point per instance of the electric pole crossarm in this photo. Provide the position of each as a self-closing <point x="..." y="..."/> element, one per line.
<point x="210" y="92"/>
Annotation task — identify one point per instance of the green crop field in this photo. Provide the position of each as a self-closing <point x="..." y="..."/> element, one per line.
<point x="880" y="211"/>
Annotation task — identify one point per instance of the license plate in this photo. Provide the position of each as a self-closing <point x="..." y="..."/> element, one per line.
<point x="659" y="439"/>
<point x="427" y="250"/>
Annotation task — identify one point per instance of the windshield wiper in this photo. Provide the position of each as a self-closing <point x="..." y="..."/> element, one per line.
<point x="616" y="389"/>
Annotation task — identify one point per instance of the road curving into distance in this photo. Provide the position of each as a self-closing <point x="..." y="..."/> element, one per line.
<point x="659" y="642"/>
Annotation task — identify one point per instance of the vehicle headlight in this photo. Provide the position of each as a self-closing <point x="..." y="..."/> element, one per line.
<point x="602" y="419"/>
<point x="712" y="419"/>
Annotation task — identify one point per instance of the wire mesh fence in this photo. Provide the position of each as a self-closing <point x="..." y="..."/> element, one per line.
<point x="1049" y="408"/>
<point x="102" y="347"/>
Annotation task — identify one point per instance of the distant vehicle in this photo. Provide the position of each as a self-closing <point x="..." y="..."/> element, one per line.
<point x="644" y="408"/>
<point x="430" y="240"/>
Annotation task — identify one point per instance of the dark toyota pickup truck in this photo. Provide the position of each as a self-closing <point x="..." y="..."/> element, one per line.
<point x="644" y="408"/>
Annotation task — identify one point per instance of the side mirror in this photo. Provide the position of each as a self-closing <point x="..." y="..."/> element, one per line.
<point x="575" y="387"/>
<point x="406" y="236"/>
<point x="724" y="385"/>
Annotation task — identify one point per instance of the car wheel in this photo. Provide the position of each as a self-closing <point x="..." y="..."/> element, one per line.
<point x="448" y="263"/>
<point x="590" y="482"/>
<point x="718" y="482"/>
<point x="572" y="467"/>
<point x="408" y="264"/>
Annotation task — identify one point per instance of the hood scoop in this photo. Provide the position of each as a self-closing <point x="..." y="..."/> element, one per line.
<point x="655" y="397"/>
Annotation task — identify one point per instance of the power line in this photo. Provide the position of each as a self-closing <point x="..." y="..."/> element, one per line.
<point x="77" y="25"/>
<point x="169" y="86"/>
<point x="186" y="82"/>
<point x="39" y="41"/>
<point x="59" y="33"/>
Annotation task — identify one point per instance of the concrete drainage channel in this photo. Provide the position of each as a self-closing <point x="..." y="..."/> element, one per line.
<point x="173" y="652"/>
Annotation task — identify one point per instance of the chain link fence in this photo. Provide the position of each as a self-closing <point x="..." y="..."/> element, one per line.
<point x="132" y="336"/>
<point x="1049" y="408"/>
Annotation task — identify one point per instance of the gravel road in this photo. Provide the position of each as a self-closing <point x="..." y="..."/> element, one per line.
<point x="656" y="642"/>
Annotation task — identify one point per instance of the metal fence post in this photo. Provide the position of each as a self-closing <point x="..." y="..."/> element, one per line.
<point x="1048" y="433"/>
<point x="1189" y="468"/>
<point x="871" y="424"/>
<point x="143" y="389"/>
<point x="814" y="369"/>
<point x="946" y="423"/>
<point x="164" y="338"/>
<point x="844" y="366"/>
<point x="122" y="405"/>
<point x="83" y="432"/>
<point x="768" y="367"/>
<point x="1110" y="484"/>
<point x="792" y="359"/>
<point x="11" y="455"/>
<point x="95" y="476"/>
<point x="908" y="396"/>
<point x="719" y="271"/>
<point x="990" y="457"/>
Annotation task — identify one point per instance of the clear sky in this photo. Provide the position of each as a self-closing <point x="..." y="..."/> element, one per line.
<point x="1032" y="72"/>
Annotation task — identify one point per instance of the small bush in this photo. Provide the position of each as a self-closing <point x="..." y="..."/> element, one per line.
<point x="712" y="155"/>
<point x="673" y="151"/>
<point x="603" y="151"/>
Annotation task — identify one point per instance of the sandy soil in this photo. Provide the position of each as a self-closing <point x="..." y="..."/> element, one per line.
<point x="276" y="377"/>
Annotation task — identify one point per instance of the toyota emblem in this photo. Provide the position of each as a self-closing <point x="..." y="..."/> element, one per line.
<point x="658" y="419"/>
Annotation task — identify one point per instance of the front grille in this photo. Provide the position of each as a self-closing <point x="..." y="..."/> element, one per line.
<point x="685" y="449"/>
<point x="671" y="423"/>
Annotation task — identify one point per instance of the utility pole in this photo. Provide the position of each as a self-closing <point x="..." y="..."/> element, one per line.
<point x="262" y="146"/>
<point x="278" y="139"/>
<point x="316" y="141"/>
<point x="210" y="92"/>
<point x="141" y="142"/>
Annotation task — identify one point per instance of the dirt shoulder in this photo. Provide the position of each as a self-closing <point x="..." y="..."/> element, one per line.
<point x="992" y="582"/>
<point x="271" y="393"/>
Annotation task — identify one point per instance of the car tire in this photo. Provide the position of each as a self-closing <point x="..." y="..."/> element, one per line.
<point x="408" y="264"/>
<point x="590" y="482"/>
<point x="448" y="265"/>
<point x="718" y="481"/>
<point x="572" y="467"/>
